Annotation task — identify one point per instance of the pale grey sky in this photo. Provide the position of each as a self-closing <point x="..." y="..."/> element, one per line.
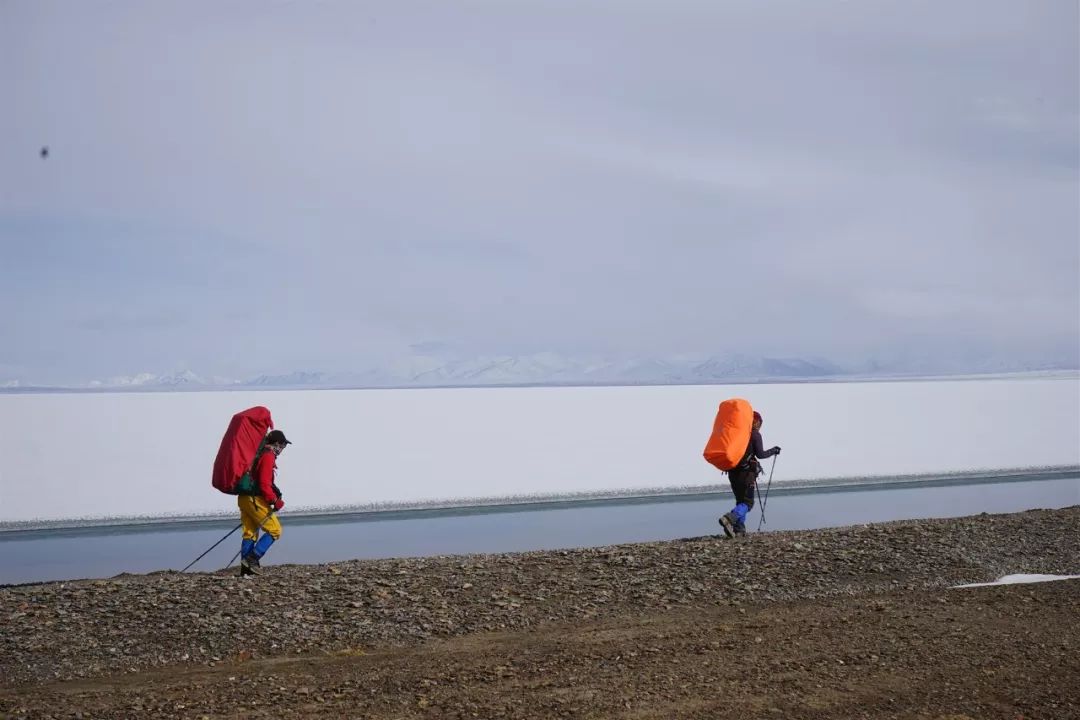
<point x="249" y="187"/>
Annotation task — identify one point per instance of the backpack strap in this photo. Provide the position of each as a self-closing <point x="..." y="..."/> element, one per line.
<point x="247" y="484"/>
<point x="258" y="454"/>
<point x="747" y="457"/>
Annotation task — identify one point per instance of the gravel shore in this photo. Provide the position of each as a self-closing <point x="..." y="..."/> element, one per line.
<point x="86" y="628"/>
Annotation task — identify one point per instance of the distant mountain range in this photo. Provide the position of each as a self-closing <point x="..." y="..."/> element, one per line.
<point x="554" y="369"/>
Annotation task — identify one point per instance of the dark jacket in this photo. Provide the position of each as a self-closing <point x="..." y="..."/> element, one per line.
<point x="756" y="451"/>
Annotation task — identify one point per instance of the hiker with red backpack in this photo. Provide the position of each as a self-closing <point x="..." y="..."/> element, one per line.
<point x="257" y="507"/>
<point x="245" y="466"/>
<point x="735" y="447"/>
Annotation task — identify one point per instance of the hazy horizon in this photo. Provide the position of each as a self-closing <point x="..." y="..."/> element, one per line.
<point x="551" y="371"/>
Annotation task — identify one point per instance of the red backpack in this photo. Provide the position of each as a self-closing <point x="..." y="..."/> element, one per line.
<point x="239" y="449"/>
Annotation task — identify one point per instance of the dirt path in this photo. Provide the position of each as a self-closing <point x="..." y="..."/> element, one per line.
<point x="998" y="652"/>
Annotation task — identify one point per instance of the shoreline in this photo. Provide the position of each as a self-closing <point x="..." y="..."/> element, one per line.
<point x="29" y="529"/>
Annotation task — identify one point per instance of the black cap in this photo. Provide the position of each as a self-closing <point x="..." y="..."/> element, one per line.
<point x="276" y="437"/>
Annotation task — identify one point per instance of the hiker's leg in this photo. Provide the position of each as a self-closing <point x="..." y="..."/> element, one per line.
<point x="747" y="498"/>
<point x="736" y="486"/>
<point x="743" y="486"/>
<point x="732" y="520"/>
<point x="271" y="527"/>
<point x="249" y="522"/>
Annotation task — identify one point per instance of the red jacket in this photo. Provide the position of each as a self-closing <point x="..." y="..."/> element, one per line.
<point x="264" y="477"/>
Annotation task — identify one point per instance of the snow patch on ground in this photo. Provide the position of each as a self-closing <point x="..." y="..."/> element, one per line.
<point x="1019" y="579"/>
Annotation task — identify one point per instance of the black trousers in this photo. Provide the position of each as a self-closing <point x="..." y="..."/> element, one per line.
<point x="743" y="481"/>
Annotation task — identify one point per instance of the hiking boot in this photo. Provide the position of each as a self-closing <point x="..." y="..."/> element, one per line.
<point x="249" y="565"/>
<point x="727" y="523"/>
<point x="740" y="529"/>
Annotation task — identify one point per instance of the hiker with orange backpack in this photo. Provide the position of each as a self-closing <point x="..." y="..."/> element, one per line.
<point x="743" y="479"/>
<point x="259" y="503"/>
<point x="735" y="447"/>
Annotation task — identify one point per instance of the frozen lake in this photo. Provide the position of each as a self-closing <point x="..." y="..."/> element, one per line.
<point x="145" y="454"/>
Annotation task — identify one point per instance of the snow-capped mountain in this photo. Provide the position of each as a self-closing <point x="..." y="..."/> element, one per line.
<point x="300" y="377"/>
<point x="429" y="370"/>
<point x="180" y="379"/>
<point x="553" y="369"/>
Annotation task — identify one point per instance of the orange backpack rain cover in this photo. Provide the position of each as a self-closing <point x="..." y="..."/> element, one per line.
<point x="730" y="435"/>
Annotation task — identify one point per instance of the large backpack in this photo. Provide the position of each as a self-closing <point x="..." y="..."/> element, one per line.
<point x="240" y="448"/>
<point x="730" y="435"/>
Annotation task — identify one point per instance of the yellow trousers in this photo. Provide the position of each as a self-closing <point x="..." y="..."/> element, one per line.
<point x="253" y="510"/>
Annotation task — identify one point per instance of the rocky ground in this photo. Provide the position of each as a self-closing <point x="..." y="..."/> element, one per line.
<point x="851" y="622"/>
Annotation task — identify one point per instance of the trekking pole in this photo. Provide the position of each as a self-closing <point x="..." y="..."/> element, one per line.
<point x="761" y="520"/>
<point x="766" y="501"/>
<point x="211" y="548"/>
<point x="268" y="516"/>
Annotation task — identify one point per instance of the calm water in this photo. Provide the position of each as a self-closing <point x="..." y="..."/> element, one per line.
<point x="103" y="552"/>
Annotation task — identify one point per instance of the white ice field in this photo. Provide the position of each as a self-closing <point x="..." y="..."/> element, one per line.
<point x="94" y="455"/>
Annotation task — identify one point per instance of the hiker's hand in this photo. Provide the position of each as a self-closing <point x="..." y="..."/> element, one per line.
<point x="775" y="450"/>
<point x="278" y="504"/>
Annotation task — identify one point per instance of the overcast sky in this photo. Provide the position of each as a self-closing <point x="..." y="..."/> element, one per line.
<point x="249" y="187"/>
